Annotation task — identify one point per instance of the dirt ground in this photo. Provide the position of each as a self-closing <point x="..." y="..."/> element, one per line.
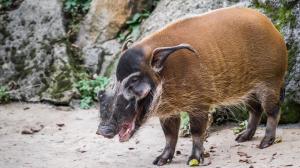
<point x="75" y="144"/>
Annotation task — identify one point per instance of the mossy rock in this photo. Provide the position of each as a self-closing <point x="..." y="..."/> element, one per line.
<point x="290" y="112"/>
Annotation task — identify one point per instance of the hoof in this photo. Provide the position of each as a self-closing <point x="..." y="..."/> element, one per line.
<point x="266" y="142"/>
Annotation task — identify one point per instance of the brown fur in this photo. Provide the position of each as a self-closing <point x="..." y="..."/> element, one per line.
<point x="240" y="53"/>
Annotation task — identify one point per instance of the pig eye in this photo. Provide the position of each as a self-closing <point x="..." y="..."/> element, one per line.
<point x="134" y="79"/>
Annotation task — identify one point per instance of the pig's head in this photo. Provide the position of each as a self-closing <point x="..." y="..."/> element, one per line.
<point x="125" y="108"/>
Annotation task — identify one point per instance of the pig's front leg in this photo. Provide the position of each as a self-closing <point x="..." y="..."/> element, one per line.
<point x="198" y="125"/>
<point x="170" y="127"/>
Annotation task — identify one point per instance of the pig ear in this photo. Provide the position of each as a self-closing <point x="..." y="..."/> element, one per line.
<point x="125" y="44"/>
<point x="160" y="55"/>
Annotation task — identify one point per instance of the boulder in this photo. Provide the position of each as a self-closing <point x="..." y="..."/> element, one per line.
<point x="101" y="57"/>
<point x="103" y="22"/>
<point x="168" y="11"/>
<point x="293" y="37"/>
<point x="33" y="52"/>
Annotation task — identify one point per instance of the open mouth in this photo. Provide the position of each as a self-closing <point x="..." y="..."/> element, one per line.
<point x="127" y="130"/>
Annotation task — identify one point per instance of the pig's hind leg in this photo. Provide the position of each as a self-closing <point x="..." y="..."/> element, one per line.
<point x="170" y="127"/>
<point x="198" y="125"/>
<point x="271" y="106"/>
<point x="255" y="112"/>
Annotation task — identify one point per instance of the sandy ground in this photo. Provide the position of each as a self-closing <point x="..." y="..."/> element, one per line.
<point x="75" y="145"/>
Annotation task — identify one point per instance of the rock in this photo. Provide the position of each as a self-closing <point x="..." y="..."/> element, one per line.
<point x="103" y="22"/>
<point x="248" y="161"/>
<point x="33" y="52"/>
<point x="26" y="130"/>
<point x="31" y="129"/>
<point x="75" y="103"/>
<point x="100" y="57"/>
<point x="168" y="11"/>
<point x="106" y="17"/>
<point x="293" y="84"/>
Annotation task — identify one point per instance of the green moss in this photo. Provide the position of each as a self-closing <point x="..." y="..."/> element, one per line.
<point x="293" y="50"/>
<point x="57" y="78"/>
<point x="74" y="12"/>
<point x="290" y="112"/>
<point x="13" y="51"/>
<point x="4" y="95"/>
<point x="76" y="61"/>
<point x="32" y="53"/>
<point x="61" y="81"/>
<point x="110" y="69"/>
<point x="24" y="44"/>
<point x="184" y="124"/>
<point x="6" y="5"/>
<point x="5" y="33"/>
<point x="281" y="16"/>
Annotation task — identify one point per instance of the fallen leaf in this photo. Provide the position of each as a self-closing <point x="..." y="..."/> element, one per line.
<point x="82" y="149"/>
<point x="206" y="154"/>
<point x="278" y="140"/>
<point x="245" y="161"/>
<point x="194" y="162"/>
<point x="288" y="165"/>
<point x="37" y="127"/>
<point x="242" y="153"/>
<point x="60" y="124"/>
<point x="32" y="129"/>
<point x="26" y="108"/>
<point x="26" y="130"/>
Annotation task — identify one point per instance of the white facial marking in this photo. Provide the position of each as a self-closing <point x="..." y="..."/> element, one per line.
<point x="123" y="91"/>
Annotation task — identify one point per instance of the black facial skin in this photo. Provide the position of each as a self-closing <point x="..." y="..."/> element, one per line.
<point x="108" y="124"/>
<point x="115" y="109"/>
<point x="129" y="63"/>
<point x="111" y="119"/>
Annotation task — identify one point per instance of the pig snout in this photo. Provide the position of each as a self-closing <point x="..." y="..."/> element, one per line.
<point x="106" y="130"/>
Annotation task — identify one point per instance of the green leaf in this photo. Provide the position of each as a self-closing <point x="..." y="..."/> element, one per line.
<point x="135" y="33"/>
<point x="4" y="95"/>
<point x="85" y="103"/>
<point x="134" y="19"/>
<point x="88" y="89"/>
<point x="242" y="126"/>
